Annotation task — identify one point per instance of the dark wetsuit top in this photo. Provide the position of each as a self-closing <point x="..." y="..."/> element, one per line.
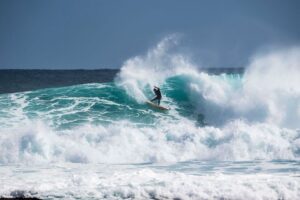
<point x="157" y="93"/>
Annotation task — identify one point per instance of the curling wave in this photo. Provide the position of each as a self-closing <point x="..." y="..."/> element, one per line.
<point x="247" y="116"/>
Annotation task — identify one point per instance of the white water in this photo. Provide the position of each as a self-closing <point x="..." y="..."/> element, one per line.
<point x="149" y="182"/>
<point x="268" y="91"/>
<point x="250" y="118"/>
<point x="246" y="121"/>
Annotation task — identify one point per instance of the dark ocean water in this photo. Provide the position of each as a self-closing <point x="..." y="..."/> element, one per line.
<point x="18" y="80"/>
<point x="26" y="80"/>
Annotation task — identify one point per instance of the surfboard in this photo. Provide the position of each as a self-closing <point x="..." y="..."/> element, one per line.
<point x="154" y="105"/>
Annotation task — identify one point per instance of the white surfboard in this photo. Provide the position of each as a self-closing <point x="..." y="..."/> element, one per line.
<point x="157" y="106"/>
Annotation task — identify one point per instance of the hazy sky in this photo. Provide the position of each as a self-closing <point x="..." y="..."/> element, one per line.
<point x="103" y="34"/>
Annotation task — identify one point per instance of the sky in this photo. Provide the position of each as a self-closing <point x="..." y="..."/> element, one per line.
<point x="95" y="34"/>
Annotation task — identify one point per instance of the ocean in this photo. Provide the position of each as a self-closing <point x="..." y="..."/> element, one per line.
<point x="230" y="133"/>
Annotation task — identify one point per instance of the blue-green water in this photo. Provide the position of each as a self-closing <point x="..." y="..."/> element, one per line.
<point x="221" y="138"/>
<point x="102" y="115"/>
<point x="101" y="104"/>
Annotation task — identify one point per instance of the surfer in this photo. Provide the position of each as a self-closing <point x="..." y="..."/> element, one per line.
<point x="156" y="90"/>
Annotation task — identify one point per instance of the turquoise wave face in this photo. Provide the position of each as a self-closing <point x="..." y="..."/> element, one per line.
<point x="69" y="107"/>
<point x="105" y="103"/>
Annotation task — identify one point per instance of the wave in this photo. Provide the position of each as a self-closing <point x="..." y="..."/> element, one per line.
<point x="267" y="92"/>
<point x="246" y="116"/>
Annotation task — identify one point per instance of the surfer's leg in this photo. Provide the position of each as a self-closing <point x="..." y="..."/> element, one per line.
<point x="158" y="101"/>
<point x="154" y="99"/>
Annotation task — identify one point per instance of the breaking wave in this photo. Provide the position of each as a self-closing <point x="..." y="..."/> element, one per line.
<point x="233" y="117"/>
